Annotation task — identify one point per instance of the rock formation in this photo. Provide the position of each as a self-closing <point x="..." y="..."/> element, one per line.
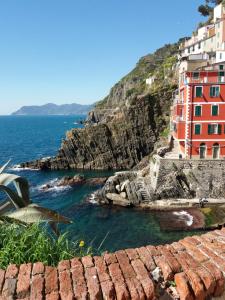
<point x="123" y="128"/>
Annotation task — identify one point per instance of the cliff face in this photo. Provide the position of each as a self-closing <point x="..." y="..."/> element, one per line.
<point x="123" y="127"/>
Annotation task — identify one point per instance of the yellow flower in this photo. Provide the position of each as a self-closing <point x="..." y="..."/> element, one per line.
<point x="81" y="244"/>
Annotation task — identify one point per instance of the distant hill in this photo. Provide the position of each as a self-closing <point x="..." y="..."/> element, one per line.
<point x="53" y="109"/>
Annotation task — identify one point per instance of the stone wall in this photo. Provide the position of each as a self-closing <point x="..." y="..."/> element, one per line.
<point x="204" y="177"/>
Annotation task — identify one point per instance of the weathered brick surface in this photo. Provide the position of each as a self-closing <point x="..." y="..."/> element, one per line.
<point x="196" y="264"/>
<point x="23" y="283"/>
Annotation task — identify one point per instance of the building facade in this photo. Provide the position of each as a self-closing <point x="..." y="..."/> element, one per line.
<point x="198" y="113"/>
<point x="209" y="38"/>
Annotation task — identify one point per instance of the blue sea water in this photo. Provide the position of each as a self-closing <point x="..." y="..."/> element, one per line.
<point x="23" y="138"/>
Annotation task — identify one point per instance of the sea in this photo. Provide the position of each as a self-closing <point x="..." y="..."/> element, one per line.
<point x="24" y="138"/>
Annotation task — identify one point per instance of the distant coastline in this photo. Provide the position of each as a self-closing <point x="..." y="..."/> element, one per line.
<point x="52" y="109"/>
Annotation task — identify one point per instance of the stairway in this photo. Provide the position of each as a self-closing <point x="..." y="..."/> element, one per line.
<point x="141" y="187"/>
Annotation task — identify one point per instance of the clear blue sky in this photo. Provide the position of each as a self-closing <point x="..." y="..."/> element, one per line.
<point x="66" y="51"/>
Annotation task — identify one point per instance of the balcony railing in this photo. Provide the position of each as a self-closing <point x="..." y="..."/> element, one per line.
<point x="215" y="80"/>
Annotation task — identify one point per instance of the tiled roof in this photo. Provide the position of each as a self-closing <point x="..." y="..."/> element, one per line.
<point x="192" y="268"/>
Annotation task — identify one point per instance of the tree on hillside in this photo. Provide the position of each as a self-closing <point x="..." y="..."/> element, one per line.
<point x="207" y="8"/>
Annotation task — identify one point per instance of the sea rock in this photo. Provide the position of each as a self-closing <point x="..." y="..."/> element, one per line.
<point x="123" y="195"/>
<point x="117" y="199"/>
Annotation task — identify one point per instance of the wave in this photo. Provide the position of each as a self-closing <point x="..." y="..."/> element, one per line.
<point x="18" y="168"/>
<point x="92" y="198"/>
<point x="185" y="216"/>
<point x="51" y="186"/>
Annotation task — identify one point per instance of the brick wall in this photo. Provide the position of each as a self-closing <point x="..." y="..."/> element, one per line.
<point x="196" y="265"/>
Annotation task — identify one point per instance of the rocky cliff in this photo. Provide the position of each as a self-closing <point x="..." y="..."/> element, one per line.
<point x="123" y="127"/>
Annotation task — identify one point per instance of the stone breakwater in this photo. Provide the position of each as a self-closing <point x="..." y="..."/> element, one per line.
<point x="192" y="268"/>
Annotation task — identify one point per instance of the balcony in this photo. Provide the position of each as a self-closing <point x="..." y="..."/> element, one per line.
<point x="213" y="79"/>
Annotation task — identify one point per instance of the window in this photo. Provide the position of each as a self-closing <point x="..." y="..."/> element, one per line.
<point x="198" y="110"/>
<point x="193" y="48"/>
<point x="214" y="91"/>
<point x="189" y="50"/>
<point x="215" y="110"/>
<point x="221" y="56"/>
<point x="198" y="91"/>
<point x="199" y="45"/>
<point x="197" y="129"/>
<point x="214" y="129"/>
<point x="221" y="66"/>
<point x="195" y="75"/>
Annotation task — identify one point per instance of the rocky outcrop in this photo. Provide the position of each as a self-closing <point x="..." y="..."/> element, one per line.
<point x="123" y="128"/>
<point x="120" y="143"/>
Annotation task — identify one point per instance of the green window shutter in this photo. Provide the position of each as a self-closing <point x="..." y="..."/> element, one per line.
<point x="212" y="89"/>
<point x="198" y="110"/>
<point x="221" y="67"/>
<point x="217" y="91"/>
<point x="221" y="73"/>
<point x="198" y="91"/>
<point x="197" y="128"/>
<point x="214" y="110"/>
<point x="219" y="128"/>
<point x="209" y="129"/>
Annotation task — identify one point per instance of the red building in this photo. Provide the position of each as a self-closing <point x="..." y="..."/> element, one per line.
<point x="198" y="113"/>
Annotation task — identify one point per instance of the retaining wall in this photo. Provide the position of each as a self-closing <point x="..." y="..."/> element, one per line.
<point x="196" y="265"/>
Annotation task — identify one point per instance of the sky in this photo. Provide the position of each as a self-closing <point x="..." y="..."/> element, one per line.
<point x="66" y="51"/>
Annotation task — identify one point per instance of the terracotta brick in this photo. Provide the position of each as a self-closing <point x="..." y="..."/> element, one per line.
<point x="132" y="254"/>
<point x="143" y="276"/>
<point x="9" y="288"/>
<point x="165" y="267"/>
<point x="125" y="266"/>
<point x="178" y="247"/>
<point x="192" y="263"/>
<point x="51" y="280"/>
<point x="37" y="287"/>
<point x="11" y="271"/>
<point x="108" y="291"/>
<point x="93" y="285"/>
<point x="182" y="260"/>
<point x="87" y="261"/>
<point x="135" y="289"/>
<point x="38" y="268"/>
<point x="218" y="276"/>
<point x="2" y="278"/>
<point x="101" y="268"/>
<point x="63" y="265"/>
<point x="23" y="283"/>
<point x="116" y="273"/>
<point x="152" y="250"/>
<point x="121" y="291"/>
<point x="198" y="255"/>
<point x="78" y="279"/>
<point x="52" y="296"/>
<point x="183" y="287"/>
<point x="192" y="241"/>
<point x="207" y="279"/>
<point x="65" y="285"/>
<point x="173" y="262"/>
<point x="146" y="258"/>
<point x="196" y="284"/>
<point x="110" y="258"/>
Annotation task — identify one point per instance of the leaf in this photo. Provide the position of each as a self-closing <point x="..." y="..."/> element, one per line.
<point x="21" y="185"/>
<point x="16" y="200"/>
<point x="34" y="213"/>
<point x="4" y="166"/>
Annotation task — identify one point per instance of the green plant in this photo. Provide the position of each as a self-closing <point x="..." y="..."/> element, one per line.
<point x="19" y="199"/>
<point x="32" y="243"/>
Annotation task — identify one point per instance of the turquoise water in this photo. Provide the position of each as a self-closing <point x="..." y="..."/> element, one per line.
<point x="25" y="138"/>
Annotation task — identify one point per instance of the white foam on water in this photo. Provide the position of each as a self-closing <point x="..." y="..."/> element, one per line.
<point x="184" y="215"/>
<point x="53" y="187"/>
<point x="92" y="198"/>
<point x="17" y="168"/>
